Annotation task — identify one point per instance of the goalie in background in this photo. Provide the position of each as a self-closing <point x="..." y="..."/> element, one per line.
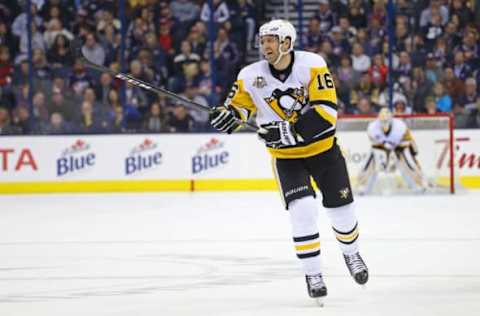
<point x="393" y="147"/>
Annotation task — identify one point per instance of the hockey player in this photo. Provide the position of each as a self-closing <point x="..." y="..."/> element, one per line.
<point x="294" y="98"/>
<point x="391" y="136"/>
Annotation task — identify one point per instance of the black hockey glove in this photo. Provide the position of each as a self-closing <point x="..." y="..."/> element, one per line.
<point x="223" y="119"/>
<point x="278" y="134"/>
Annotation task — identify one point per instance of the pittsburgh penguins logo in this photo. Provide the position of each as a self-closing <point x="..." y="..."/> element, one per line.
<point x="287" y="103"/>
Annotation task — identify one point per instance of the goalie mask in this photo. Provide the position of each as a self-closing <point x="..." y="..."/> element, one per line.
<point x="385" y="116"/>
<point x="282" y="29"/>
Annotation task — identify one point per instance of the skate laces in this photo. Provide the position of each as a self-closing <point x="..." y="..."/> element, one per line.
<point x="355" y="263"/>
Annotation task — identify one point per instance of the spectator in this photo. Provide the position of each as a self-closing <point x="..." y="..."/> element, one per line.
<point x="360" y="61"/>
<point x="88" y="122"/>
<point x="474" y="117"/>
<point x="60" y="54"/>
<point x="435" y="7"/>
<point x="226" y="57"/>
<point x="5" y="123"/>
<point x="461" y="69"/>
<point x="378" y="70"/>
<point x="339" y="42"/>
<point x="57" y="125"/>
<point x="454" y="86"/>
<point x="39" y="106"/>
<point x="325" y="16"/>
<point x="185" y="56"/>
<point x="7" y="39"/>
<point x="468" y="99"/>
<point x="357" y="16"/>
<point x="400" y="106"/>
<point x="465" y="13"/>
<point x="422" y="88"/>
<point x="107" y="20"/>
<point x="404" y="68"/>
<point x="165" y="37"/>
<point x="180" y="120"/>
<point x="432" y="71"/>
<point x="200" y="117"/>
<point x="118" y="121"/>
<point x="184" y="11"/>
<point x="221" y="13"/>
<point x="364" y="107"/>
<point x="58" y="104"/>
<point x="348" y="31"/>
<point x="444" y="102"/>
<point x="24" y="123"/>
<point x="155" y="121"/>
<point x="197" y="39"/>
<point x="55" y="28"/>
<point x="314" y="36"/>
<point x="79" y="79"/>
<point x="19" y="26"/>
<point x="347" y="76"/>
<point x="431" y="105"/>
<point x="6" y="67"/>
<point x="93" y="51"/>
<point x="432" y="31"/>
<point x="37" y="43"/>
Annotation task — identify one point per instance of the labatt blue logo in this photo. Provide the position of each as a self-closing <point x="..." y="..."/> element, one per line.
<point x="209" y="156"/>
<point x="75" y="158"/>
<point x="143" y="157"/>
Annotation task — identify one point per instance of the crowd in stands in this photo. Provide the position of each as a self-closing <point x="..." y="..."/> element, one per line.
<point x="435" y="60"/>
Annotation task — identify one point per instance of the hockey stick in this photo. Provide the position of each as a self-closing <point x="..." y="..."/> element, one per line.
<point x="147" y="86"/>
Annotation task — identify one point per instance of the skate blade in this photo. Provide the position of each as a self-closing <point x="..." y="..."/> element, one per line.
<point x="320" y="301"/>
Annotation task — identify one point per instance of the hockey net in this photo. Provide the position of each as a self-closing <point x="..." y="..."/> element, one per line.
<point x="435" y="141"/>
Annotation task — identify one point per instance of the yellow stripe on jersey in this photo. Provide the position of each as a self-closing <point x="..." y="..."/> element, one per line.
<point x="303" y="151"/>
<point x="321" y="86"/>
<point x="310" y="246"/>
<point x="240" y="99"/>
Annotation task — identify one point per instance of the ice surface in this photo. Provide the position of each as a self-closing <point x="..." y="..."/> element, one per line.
<point x="230" y="254"/>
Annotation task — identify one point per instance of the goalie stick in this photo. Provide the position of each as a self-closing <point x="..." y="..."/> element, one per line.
<point x="147" y="86"/>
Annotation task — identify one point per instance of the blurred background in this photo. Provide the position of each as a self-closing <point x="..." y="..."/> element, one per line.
<point x="414" y="56"/>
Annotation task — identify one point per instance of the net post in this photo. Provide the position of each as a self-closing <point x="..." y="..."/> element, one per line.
<point x="452" y="153"/>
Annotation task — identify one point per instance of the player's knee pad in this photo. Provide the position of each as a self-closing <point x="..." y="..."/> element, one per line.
<point x="303" y="216"/>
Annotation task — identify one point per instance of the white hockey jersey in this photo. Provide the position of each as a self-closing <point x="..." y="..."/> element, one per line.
<point x="308" y="88"/>
<point x="398" y="133"/>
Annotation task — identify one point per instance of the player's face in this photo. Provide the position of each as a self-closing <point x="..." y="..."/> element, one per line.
<point x="269" y="47"/>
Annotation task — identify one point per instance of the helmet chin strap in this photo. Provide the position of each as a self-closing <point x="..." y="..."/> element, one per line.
<point x="281" y="54"/>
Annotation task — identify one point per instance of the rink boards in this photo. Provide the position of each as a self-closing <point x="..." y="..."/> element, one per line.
<point x="189" y="162"/>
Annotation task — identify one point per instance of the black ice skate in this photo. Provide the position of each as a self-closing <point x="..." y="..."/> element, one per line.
<point x="315" y="285"/>
<point x="357" y="268"/>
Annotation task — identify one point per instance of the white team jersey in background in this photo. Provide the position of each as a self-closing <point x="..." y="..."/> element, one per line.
<point x="397" y="133"/>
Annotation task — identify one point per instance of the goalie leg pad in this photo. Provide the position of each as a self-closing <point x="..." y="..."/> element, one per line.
<point x="410" y="168"/>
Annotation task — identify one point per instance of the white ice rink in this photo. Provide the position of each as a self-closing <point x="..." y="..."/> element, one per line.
<point x="230" y="254"/>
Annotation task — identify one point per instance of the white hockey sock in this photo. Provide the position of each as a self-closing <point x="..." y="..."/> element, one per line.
<point x="303" y="217"/>
<point x="345" y="227"/>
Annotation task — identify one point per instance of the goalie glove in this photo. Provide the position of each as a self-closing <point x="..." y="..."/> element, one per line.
<point x="278" y="134"/>
<point x="223" y="119"/>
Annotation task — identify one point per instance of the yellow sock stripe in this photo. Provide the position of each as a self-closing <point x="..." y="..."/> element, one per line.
<point x="309" y="246"/>
<point x="348" y="237"/>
